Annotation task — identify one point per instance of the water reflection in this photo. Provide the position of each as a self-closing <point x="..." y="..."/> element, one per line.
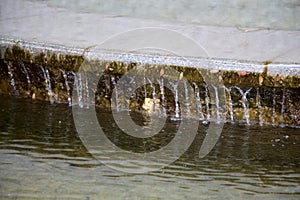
<point x="42" y="156"/>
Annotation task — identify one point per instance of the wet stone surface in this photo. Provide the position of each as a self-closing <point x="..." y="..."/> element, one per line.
<point x="249" y="96"/>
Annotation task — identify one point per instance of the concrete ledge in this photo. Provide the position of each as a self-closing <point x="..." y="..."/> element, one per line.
<point x="283" y="69"/>
<point x="36" y="22"/>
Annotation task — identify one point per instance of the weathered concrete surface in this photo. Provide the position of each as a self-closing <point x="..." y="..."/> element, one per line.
<point x="32" y="21"/>
<point x="275" y="14"/>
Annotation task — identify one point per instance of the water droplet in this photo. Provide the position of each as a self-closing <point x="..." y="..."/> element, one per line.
<point x="205" y="122"/>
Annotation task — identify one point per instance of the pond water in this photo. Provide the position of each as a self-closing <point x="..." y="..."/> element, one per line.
<point x="42" y="156"/>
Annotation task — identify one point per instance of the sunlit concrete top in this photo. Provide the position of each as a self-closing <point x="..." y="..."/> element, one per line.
<point x="37" y="22"/>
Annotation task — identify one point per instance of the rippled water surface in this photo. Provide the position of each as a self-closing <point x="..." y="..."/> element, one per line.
<point x="42" y="156"/>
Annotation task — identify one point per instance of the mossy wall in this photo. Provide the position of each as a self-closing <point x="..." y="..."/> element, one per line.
<point x="270" y="99"/>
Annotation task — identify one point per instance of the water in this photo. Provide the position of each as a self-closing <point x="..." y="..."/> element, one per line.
<point x="67" y="86"/>
<point x="48" y="83"/>
<point x="259" y="107"/>
<point x="79" y="88"/>
<point x="263" y="105"/>
<point x="187" y="97"/>
<point x="154" y="96"/>
<point x="41" y="156"/>
<point x="274" y="106"/>
<point x="207" y="102"/>
<point x="26" y="73"/>
<point x="116" y="92"/>
<point x="162" y="92"/>
<point x="175" y="85"/>
<point x="87" y="90"/>
<point x="244" y="103"/>
<point x="228" y="90"/>
<point x="217" y="102"/>
<point x="198" y="102"/>
<point x="12" y="79"/>
<point x="282" y="106"/>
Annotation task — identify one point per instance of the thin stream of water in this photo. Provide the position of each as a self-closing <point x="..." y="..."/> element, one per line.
<point x="244" y="103"/>
<point x="48" y="83"/>
<point x="11" y="75"/>
<point x="228" y="90"/>
<point x="198" y="102"/>
<point x="67" y="86"/>
<point x="206" y="102"/>
<point x="175" y="85"/>
<point x="259" y="107"/>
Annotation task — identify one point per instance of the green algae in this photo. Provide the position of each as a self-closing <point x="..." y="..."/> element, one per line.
<point x="17" y="54"/>
<point x="57" y="63"/>
<point x="22" y="60"/>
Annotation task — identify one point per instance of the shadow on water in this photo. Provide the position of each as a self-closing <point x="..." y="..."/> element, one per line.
<point x="41" y="153"/>
<point x="40" y="130"/>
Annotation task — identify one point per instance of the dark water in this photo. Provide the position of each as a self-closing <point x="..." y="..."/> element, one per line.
<point x="42" y="156"/>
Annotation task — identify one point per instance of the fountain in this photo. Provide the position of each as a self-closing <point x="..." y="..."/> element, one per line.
<point x="253" y="97"/>
<point x="84" y="93"/>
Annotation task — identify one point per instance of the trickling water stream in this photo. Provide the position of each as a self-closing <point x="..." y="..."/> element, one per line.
<point x="175" y="85"/>
<point x="274" y="106"/>
<point x="116" y="90"/>
<point x="198" y="102"/>
<point x="251" y="104"/>
<point x="79" y="88"/>
<point x="12" y="79"/>
<point x="259" y="107"/>
<point x="154" y="96"/>
<point x="26" y="73"/>
<point x="228" y="90"/>
<point x="48" y="83"/>
<point x="162" y="92"/>
<point x="217" y="102"/>
<point x="244" y="103"/>
<point x="67" y="86"/>
<point x="207" y="102"/>
<point x="282" y="106"/>
<point x="187" y="98"/>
